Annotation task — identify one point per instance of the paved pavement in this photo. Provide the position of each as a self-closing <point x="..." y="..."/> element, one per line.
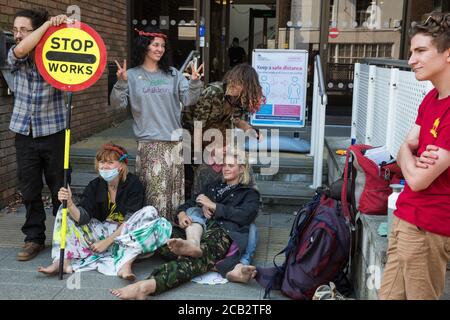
<point x="20" y="280"/>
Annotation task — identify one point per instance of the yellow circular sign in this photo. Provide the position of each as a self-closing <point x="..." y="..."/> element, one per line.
<point x="71" y="58"/>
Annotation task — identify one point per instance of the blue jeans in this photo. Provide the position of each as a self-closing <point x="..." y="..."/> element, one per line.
<point x="196" y="214"/>
<point x="253" y="235"/>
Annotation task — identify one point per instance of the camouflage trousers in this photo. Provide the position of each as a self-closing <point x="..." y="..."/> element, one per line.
<point x="214" y="244"/>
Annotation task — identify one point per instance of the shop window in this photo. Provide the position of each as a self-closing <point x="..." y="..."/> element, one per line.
<point x="348" y="53"/>
<point x="437" y="5"/>
<point x="332" y="56"/>
<point x="361" y="11"/>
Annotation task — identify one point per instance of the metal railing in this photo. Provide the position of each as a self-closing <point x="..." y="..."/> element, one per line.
<point x="194" y="54"/>
<point x="402" y="64"/>
<point x="385" y="103"/>
<point x="340" y="77"/>
<point x="320" y="101"/>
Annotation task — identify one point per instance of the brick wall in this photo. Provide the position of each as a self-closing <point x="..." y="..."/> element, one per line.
<point x="91" y="112"/>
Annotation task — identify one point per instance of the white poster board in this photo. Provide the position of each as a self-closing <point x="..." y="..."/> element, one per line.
<point x="283" y="77"/>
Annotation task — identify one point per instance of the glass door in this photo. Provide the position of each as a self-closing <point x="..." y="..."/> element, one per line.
<point x="176" y="18"/>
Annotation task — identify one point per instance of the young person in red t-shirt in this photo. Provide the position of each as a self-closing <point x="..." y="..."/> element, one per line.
<point x="419" y="243"/>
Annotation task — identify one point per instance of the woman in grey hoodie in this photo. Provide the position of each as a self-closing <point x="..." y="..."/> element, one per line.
<point x="157" y="93"/>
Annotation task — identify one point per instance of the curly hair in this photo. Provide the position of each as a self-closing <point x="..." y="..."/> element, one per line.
<point x="140" y="50"/>
<point x="37" y="16"/>
<point x="436" y="25"/>
<point x="246" y="77"/>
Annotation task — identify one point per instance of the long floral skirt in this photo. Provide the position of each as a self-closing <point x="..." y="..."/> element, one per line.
<point x="161" y="170"/>
<point x="143" y="233"/>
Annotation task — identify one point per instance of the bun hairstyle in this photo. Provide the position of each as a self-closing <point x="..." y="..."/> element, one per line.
<point x="436" y="25"/>
<point x="113" y="152"/>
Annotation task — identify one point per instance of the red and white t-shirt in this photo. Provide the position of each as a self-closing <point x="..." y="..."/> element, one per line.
<point x="429" y="209"/>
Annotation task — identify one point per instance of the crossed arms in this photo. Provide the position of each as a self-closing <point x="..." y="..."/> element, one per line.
<point x="420" y="172"/>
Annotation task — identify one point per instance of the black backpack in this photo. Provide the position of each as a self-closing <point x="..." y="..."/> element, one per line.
<point x="317" y="252"/>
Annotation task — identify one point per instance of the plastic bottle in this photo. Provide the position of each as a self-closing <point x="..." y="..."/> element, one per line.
<point x="392" y="200"/>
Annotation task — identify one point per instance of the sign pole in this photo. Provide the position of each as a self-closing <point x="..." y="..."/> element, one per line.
<point x="66" y="177"/>
<point x="70" y="59"/>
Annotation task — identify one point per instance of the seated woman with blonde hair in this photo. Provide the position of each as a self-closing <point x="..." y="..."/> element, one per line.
<point x="215" y="243"/>
<point x="110" y="227"/>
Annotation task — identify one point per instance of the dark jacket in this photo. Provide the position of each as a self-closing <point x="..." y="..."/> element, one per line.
<point x="236" y="210"/>
<point x="94" y="201"/>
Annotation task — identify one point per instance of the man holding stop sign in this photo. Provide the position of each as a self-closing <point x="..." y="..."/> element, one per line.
<point x="39" y="120"/>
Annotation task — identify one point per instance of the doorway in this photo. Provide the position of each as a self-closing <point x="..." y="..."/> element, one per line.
<point x="262" y="30"/>
<point x="178" y="19"/>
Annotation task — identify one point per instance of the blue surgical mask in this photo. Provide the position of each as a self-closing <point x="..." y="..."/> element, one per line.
<point x="109" y="175"/>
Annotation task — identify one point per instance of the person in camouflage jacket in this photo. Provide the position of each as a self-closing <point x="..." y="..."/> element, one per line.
<point x="225" y="105"/>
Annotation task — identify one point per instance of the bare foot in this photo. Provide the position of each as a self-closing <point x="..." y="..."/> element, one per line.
<point x="144" y="256"/>
<point x="127" y="276"/>
<point x="182" y="247"/>
<point x="136" y="291"/>
<point x="242" y="273"/>
<point x="53" y="269"/>
<point x="126" y="272"/>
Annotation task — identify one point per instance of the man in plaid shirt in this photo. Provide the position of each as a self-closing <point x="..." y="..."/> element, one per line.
<point x="38" y="120"/>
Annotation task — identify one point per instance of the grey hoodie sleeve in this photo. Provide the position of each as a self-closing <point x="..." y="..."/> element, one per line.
<point x="189" y="91"/>
<point x="119" y="94"/>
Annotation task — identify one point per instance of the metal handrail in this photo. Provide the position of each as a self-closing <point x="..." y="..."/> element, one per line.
<point x="387" y="62"/>
<point x="193" y="54"/>
<point x="318" y="122"/>
<point x="322" y="89"/>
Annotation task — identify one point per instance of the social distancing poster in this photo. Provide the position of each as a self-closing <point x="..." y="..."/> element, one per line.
<point x="283" y="77"/>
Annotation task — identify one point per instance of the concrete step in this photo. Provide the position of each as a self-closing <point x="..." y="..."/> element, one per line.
<point x="301" y="161"/>
<point x="288" y="170"/>
<point x="278" y="192"/>
<point x="289" y="186"/>
<point x="87" y="163"/>
<point x="284" y="163"/>
<point x="80" y="180"/>
<point x="288" y="177"/>
<point x="288" y="193"/>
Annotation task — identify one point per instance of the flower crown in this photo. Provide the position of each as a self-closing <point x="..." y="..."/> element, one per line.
<point x="151" y="34"/>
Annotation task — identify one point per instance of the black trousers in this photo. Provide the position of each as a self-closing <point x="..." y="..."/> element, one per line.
<point x="37" y="156"/>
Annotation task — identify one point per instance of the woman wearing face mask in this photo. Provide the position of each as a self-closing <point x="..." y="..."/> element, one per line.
<point x="109" y="228"/>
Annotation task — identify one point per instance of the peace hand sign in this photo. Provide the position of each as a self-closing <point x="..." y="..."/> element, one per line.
<point x="196" y="72"/>
<point x="122" y="72"/>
